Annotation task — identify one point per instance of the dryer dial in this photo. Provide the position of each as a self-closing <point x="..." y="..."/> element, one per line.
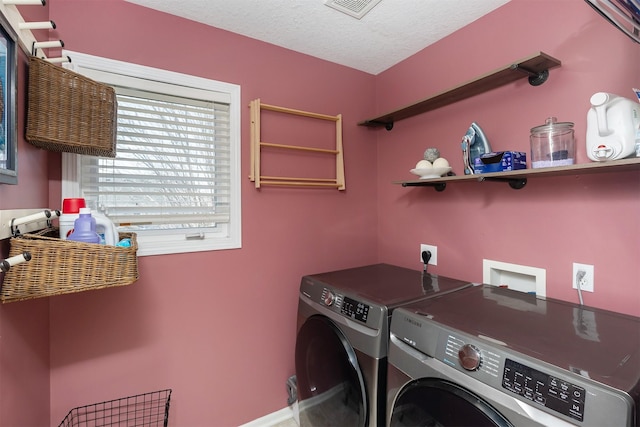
<point x="329" y="298"/>
<point x="470" y="357"/>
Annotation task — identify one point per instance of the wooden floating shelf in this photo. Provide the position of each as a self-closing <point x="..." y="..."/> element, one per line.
<point x="535" y="67"/>
<point x="518" y="179"/>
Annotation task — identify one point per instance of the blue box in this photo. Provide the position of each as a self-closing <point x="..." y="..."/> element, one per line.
<point x="500" y="161"/>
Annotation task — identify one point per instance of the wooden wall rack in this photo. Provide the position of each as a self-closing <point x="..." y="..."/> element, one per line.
<point x="256" y="147"/>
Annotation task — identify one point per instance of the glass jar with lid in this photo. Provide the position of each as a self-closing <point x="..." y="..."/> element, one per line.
<point x="552" y="144"/>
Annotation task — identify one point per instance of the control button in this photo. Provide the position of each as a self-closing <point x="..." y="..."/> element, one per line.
<point x="576" y="407"/>
<point x="329" y="298"/>
<point x="469" y="357"/>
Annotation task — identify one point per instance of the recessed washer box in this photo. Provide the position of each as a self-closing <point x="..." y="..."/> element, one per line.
<point x="521" y="278"/>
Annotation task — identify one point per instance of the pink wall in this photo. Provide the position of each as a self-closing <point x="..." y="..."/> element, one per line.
<point x="24" y="327"/>
<point x="552" y="222"/>
<point x="218" y="327"/>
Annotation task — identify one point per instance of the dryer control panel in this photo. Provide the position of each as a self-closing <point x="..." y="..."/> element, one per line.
<point x="547" y="390"/>
<point x="355" y="309"/>
<point x="344" y="304"/>
<point x="348" y="307"/>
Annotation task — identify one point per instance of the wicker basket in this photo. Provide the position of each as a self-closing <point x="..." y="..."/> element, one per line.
<point x="64" y="266"/>
<point x="69" y="112"/>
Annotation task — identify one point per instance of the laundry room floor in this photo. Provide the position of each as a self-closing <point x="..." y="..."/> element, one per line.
<point x="287" y="423"/>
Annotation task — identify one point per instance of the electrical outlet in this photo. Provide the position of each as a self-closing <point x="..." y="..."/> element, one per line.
<point x="434" y="253"/>
<point x="583" y="277"/>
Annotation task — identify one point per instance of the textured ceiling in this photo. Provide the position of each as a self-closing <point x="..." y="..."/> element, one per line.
<point x="391" y="32"/>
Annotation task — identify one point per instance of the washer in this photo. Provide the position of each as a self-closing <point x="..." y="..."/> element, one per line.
<point x="342" y="340"/>
<point x="490" y="356"/>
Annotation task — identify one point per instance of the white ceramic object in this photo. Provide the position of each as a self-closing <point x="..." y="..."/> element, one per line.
<point x="431" y="172"/>
<point x="424" y="164"/>
<point x="441" y="163"/>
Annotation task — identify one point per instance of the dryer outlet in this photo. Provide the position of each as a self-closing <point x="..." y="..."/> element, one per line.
<point x="583" y="276"/>
<point x="434" y="253"/>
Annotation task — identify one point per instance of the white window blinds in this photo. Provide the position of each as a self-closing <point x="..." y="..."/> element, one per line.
<point x="172" y="169"/>
<point x="175" y="180"/>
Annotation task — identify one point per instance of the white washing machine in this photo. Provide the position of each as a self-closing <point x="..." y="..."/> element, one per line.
<point x="342" y="340"/>
<point x="489" y="356"/>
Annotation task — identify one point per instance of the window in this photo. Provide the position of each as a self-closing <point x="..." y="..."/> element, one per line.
<point x="175" y="180"/>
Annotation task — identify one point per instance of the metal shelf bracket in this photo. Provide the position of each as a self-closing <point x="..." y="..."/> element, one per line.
<point x="536" y="78"/>
<point x="515" y="183"/>
<point x="438" y="186"/>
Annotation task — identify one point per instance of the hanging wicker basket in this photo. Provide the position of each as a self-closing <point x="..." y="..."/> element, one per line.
<point x="69" y="112"/>
<point x="64" y="266"/>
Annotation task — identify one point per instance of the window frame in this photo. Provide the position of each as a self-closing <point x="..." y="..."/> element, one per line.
<point x="159" y="243"/>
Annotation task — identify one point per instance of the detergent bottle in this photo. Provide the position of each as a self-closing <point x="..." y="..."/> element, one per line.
<point x="84" y="229"/>
<point x="71" y="211"/>
<point x="612" y="123"/>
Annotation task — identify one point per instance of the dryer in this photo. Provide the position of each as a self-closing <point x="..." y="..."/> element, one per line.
<point x="342" y="340"/>
<point x="490" y="356"/>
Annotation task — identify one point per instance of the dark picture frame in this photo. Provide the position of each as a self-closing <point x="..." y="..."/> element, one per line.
<point x="8" y="112"/>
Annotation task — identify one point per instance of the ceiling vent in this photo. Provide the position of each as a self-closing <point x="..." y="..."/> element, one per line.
<point x="355" y="8"/>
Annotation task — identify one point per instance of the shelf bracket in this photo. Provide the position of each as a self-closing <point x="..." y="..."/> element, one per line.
<point x="46" y="214"/>
<point x="536" y="78"/>
<point x="438" y="186"/>
<point x="515" y="183"/>
<point x="388" y="125"/>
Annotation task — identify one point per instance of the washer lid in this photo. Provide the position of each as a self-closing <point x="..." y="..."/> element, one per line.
<point x="597" y="344"/>
<point x="388" y="285"/>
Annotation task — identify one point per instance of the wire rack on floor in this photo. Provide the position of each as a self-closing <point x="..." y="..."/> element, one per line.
<point x="142" y="410"/>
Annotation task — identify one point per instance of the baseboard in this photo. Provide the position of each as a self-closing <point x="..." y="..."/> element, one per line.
<point x="272" y="419"/>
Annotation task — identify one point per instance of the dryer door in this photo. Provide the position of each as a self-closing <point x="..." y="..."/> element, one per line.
<point x="434" y="402"/>
<point x="331" y="389"/>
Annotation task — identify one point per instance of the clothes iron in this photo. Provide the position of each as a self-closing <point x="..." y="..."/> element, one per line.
<point x="474" y="144"/>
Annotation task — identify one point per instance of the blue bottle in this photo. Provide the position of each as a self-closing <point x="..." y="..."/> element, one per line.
<point x="84" y="228"/>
